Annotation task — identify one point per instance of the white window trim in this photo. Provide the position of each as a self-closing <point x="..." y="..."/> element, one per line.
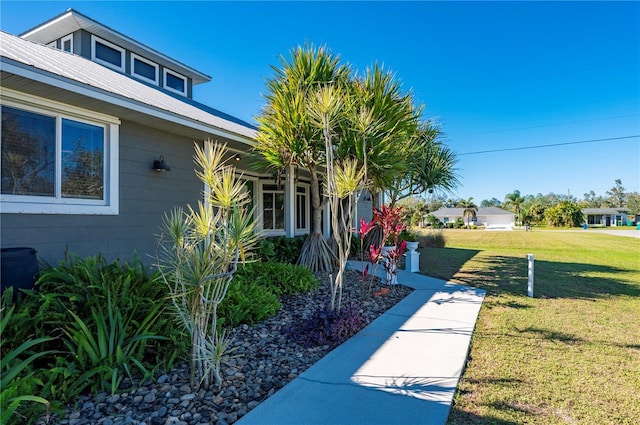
<point x="175" y="74"/>
<point x="21" y="204"/>
<point x="95" y="40"/>
<point x="135" y="57"/>
<point x="263" y="231"/>
<point x="307" y="229"/>
<point x="65" y="38"/>
<point x="53" y="44"/>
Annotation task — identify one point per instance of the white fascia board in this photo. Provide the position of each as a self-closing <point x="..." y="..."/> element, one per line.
<point x="95" y="93"/>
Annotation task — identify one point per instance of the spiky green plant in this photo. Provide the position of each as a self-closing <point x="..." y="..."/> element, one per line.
<point x="15" y="374"/>
<point x="199" y="252"/>
<point x="344" y="179"/>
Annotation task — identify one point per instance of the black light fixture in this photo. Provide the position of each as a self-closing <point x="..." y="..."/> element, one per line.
<point x="160" y="165"/>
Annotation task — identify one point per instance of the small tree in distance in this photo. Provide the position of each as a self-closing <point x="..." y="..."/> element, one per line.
<point x="564" y="214"/>
<point x="470" y="210"/>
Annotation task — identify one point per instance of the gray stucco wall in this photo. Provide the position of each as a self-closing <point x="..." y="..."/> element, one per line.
<point x="144" y="196"/>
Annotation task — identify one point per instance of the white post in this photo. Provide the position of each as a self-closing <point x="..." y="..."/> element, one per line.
<point x="530" y="281"/>
<point x="412" y="261"/>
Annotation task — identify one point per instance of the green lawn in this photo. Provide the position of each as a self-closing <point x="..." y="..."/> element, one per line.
<point x="571" y="354"/>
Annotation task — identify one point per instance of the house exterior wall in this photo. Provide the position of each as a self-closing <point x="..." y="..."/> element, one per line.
<point x="144" y="196"/>
<point x="496" y="220"/>
<point x="607" y="219"/>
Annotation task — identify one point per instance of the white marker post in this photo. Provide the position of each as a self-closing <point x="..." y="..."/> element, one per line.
<point x="530" y="282"/>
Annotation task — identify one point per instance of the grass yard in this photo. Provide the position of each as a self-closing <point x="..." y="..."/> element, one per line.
<point x="571" y="354"/>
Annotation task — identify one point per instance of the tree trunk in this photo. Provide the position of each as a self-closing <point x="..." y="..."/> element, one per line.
<point x="315" y="253"/>
<point x="316" y="202"/>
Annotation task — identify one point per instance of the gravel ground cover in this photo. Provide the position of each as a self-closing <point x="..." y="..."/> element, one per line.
<point x="264" y="360"/>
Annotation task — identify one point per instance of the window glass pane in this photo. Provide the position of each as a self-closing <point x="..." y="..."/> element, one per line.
<point x="175" y="82"/>
<point x="28" y="153"/>
<point x="82" y="160"/>
<point x="267" y="212"/>
<point x="301" y="211"/>
<point x="144" y="69"/>
<point x="278" y="210"/>
<point x="66" y="45"/>
<point x="108" y="54"/>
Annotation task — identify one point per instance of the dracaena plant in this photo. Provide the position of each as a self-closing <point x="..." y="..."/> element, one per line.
<point x="199" y="252"/>
<point x="389" y="221"/>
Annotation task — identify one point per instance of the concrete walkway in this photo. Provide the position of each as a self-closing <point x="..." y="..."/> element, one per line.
<point x="401" y="369"/>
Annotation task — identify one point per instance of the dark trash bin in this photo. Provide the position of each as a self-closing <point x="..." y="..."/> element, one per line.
<point x="18" y="269"/>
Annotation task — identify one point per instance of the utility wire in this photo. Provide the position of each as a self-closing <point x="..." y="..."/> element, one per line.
<point x="550" y="145"/>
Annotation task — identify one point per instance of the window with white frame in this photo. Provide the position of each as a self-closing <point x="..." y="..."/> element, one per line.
<point x="66" y="44"/>
<point x="144" y="69"/>
<point x="56" y="160"/>
<point x="302" y="209"/>
<point x="272" y="208"/>
<point x="175" y="82"/>
<point x="107" y="54"/>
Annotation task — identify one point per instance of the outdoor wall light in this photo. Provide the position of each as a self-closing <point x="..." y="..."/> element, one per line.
<point x="237" y="157"/>
<point x="160" y="165"/>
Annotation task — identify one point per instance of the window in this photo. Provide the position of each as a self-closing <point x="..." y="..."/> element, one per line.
<point x="302" y="209"/>
<point x="144" y="69"/>
<point x="57" y="162"/>
<point x="66" y="43"/>
<point x="175" y="82"/>
<point x="272" y="208"/>
<point x="107" y="54"/>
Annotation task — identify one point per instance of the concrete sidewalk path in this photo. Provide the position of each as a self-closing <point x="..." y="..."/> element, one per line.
<point x="401" y="369"/>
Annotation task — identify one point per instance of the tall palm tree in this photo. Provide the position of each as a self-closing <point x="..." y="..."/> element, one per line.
<point x="286" y="136"/>
<point x="470" y="210"/>
<point x="380" y="129"/>
<point x="514" y="200"/>
<point x="431" y="167"/>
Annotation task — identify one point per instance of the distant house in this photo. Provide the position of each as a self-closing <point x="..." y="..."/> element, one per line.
<point x="489" y="217"/>
<point x="606" y="216"/>
<point x="87" y="113"/>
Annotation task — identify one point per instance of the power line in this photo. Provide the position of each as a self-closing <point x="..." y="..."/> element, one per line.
<point x="550" y="145"/>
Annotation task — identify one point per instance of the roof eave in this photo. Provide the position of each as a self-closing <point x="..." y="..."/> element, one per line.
<point x="18" y="68"/>
<point x="72" y="20"/>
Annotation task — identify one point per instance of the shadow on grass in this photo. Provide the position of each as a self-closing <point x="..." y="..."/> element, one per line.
<point x="460" y="417"/>
<point x="509" y="275"/>
<point x="552" y="336"/>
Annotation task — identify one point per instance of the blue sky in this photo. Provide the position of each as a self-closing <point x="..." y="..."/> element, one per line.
<point x="495" y="75"/>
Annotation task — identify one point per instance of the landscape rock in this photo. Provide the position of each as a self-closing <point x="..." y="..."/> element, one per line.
<point x="265" y="360"/>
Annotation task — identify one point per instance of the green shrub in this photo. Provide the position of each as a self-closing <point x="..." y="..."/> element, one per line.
<point x="253" y="293"/>
<point x="286" y="250"/>
<point x="18" y="383"/>
<point x="433" y="239"/>
<point x="247" y="302"/>
<point x="86" y="301"/>
<point x="109" y="346"/>
<point x="279" y="278"/>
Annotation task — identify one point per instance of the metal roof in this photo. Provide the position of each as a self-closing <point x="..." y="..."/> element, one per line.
<point x="482" y="211"/>
<point x="605" y="210"/>
<point x="72" y="20"/>
<point x="79" y="75"/>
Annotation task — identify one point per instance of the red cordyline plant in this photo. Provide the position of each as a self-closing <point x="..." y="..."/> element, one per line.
<point x="389" y="220"/>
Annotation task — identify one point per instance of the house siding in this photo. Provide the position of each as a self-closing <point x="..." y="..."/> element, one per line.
<point x="144" y="196"/>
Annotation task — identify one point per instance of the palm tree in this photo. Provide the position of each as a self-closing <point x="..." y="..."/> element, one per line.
<point x="470" y="210"/>
<point x="286" y="135"/>
<point x="380" y="128"/>
<point x="431" y="167"/>
<point x="514" y="200"/>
